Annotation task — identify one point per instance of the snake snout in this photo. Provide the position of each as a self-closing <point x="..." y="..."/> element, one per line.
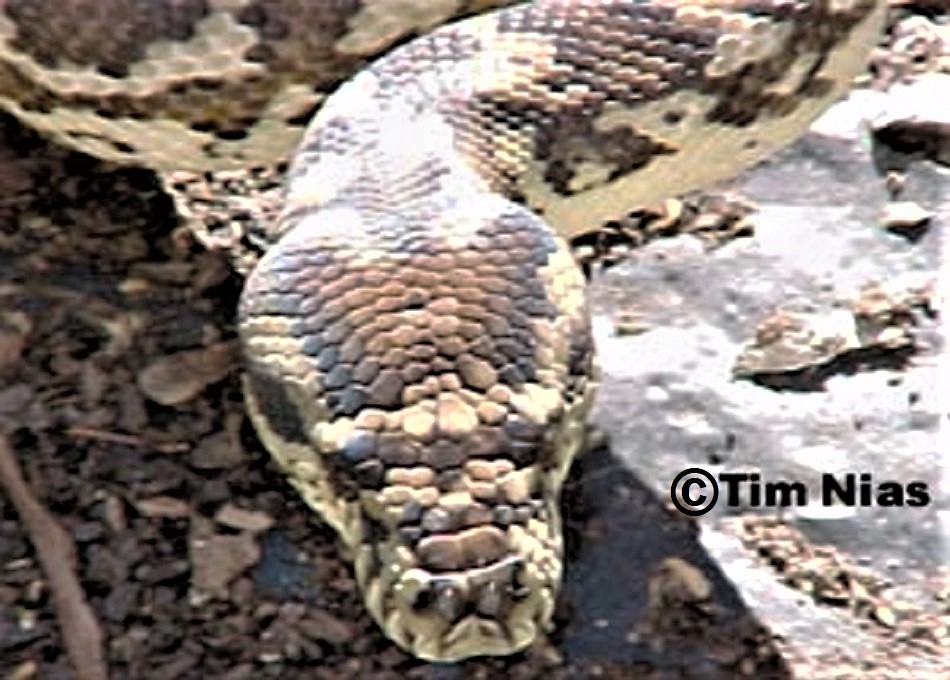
<point x="453" y="615"/>
<point x="489" y="592"/>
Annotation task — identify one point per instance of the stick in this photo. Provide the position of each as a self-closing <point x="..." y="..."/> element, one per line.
<point x="57" y="557"/>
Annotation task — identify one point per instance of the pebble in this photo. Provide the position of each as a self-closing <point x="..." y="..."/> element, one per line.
<point x="253" y="521"/>
<point x="163" y="507"/>
<point x="177" y="378"/>
<point x="905" y="216"/>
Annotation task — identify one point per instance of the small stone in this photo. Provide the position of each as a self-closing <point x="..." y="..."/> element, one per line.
<point x="504" y="515"/>
<point x="217" y="560"/>
<point x="179" y="377"/>
<point x="443" y="455"/>
<point x="394" y="358"/>
<point x="414" y="372"/>
<point x="885" y="615"/>
<point x="686" y="580"/>
<point x="352" y="350"/>
<point x="457" y="500"/>
<point x="253" y="521"/>
<point x="394" y="450"/>
<point x="359" y="447"/>
<point x="163" y="507"/>
<point x="323" y="626"/>
<point x="217" y="451"/>
<point x="332" y="436"/>
<point x="905" y="218"/>
<point x="27" y="670"/>
<point x="366" y="370"/>
<point x="533" y="411"/>
<point x="443" y="306"/>
<point x="15" y="398"/>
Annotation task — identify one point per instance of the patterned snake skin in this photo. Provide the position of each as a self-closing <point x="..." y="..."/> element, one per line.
<point x="419" y="354"/>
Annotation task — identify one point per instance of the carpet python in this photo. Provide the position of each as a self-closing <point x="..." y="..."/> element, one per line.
<point x="418" y="349"/>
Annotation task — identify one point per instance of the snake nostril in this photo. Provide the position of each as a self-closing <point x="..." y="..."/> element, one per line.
<point x="519" y="588"/>
<point x="491" y="600"/>
<point x="423" y="599"/>
<point x="450" y="603"/>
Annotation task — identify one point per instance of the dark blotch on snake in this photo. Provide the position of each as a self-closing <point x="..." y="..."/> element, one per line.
<point x="282" y="414"/>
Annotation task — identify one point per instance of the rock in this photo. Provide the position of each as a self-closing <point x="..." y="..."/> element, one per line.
<point x="163" y="507"/>
<point x="246" y="520"/>
<point x="880" y="318"/>
<point x="177" y="378"/>
<point x="323" y="626"/>
<point x="906" y="218"/>
<point x="910" y="127"/>
<point x="218" y="451"/>
<point x="217" y="560"/>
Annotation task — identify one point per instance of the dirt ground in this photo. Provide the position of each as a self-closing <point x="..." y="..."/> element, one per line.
<point x="120" y="400"/>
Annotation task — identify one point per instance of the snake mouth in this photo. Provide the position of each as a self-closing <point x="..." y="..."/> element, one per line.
<point x="491" y="609"/>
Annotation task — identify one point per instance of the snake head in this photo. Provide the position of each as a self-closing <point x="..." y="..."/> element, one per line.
<point x="427" y="400"/>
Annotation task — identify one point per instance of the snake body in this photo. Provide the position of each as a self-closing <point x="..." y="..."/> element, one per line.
<point x="419" y="354"/>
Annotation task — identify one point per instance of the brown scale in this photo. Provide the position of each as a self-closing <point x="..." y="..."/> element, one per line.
<point x="296" y="44"/>
<point x="54" y="31"/>
<point x="375" y="370"/>
<point x="743" y="96"/>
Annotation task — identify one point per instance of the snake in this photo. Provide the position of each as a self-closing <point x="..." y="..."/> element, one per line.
<point x="418" y="350"/>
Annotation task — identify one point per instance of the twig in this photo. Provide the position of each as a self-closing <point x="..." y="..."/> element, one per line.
<point x="133" y="441"/>
<point x="57" y="556"/>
